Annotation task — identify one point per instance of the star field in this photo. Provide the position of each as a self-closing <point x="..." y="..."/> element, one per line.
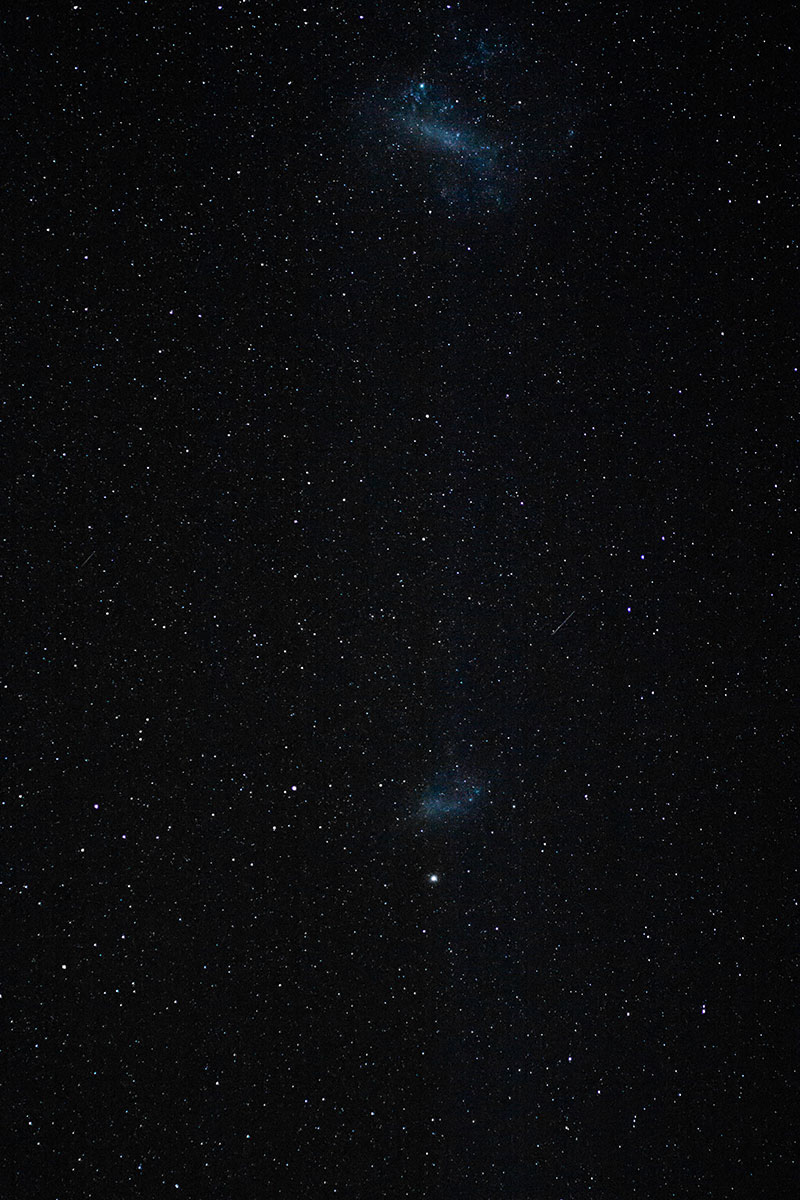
<point x="399" y="764"/>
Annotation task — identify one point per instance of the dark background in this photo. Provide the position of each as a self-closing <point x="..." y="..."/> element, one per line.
<point x="315" y="436"/>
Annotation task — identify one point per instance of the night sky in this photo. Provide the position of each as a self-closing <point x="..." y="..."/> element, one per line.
<point x="398" y="782"/>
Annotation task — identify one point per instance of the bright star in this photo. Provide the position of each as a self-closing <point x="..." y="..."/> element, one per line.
<point x="433" y="878"/>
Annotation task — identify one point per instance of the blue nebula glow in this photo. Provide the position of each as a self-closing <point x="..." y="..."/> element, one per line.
<point x="466" y="165"/>
<point x="486" y="120"/>
<point x="457" y="141"/>
<point x="452" y="795"/>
